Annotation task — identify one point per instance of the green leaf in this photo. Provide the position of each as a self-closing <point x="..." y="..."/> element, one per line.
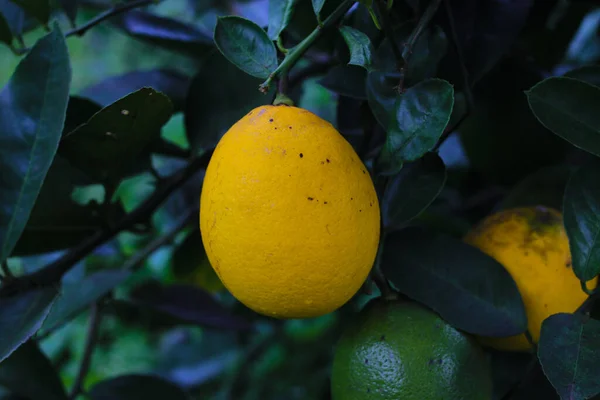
<point x="191" y="265"/>
<point x="37" y="94"/>
<point x="137" y="386"/>
<point x="361" y="49"/>
<point x="581" y="212"/>
<point x="165" y="32"/>
<point x="449" y="276"/>
<point x="545" y="186"/>
<point x="112" y="138"/>
<point x="347" y="80"/>
<point x="14" y="15"/>
<point x="569" y="108"/>
<point x="76" y="296"/>
<point x="40" y="9"/>
<point x="27" y="372"/>
<point x="421" y="115"/>
<point x="413" y="189"/>
<point x="280" y="13"/>
<point x="21" y="316"/>
<point x="246" y="45"/>
<point x="5" y="33"/>
<point x="384" y="78"/>
<point x="169" y="82"/>
<point x="318" y="6"/>
<point x="188" y="303"/>
<point x="588" y="73"/>
<point x="568" y="352"/>
<point x="57" y="222"/>
<point x="211" y="109"/>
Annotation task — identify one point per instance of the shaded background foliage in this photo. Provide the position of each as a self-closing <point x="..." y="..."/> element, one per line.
<point x="111" y="252"/>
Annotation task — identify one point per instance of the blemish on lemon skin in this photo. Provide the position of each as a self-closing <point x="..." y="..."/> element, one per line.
<point x="301" y="155"/>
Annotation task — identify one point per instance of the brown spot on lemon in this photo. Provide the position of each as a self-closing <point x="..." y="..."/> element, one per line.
<point x="532" y="244"/>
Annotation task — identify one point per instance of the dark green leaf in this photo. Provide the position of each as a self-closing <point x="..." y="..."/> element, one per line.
<point x="545" y="186"/>
<point x="70" y="9"/>
<point x="426" y="54"/>
<point x="318" y="6"/>
<point x="29" y="373"/>
<point x="40" y="9"/>
<point x="188" y="303"/>
<point x="191" y="265"/>
<point x="569" y="108"/>
<point x="582" y="220"/>
<point x="21" y="316"/>
<point x="421" y="115"/>
<point x="450" y="277"/>
<point x="169" y="82"/>
<point x="485" y="31"/>
<point x="589" y="74"/>
<point x="220" y="94"/>
<point x="57" y="222"/>
<point x="14" y="15"/>
<point x="360" y="46"/>
<point x="382" y="92"/>
<point x="413" y="189"/>
<point x="246" y="45"/>
<point x="568" y="352"/>
<point x="347" y="80"/>
<point x="384" y="79"/>
<point x="79" y="111"/>
<point x="108" y="143"/>
<point x="165" y="32"/>
<point x="280" y="12"/>
<point x="135" y="386"/>
<point x="76" y="296"/>
<point x="508" y="369"/>
<point x="37" y="93"/>
<point x="5" y="33"/>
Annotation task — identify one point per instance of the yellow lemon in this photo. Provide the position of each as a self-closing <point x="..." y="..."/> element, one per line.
<point x="532" y="244"/>
<point x="289" y="215"/>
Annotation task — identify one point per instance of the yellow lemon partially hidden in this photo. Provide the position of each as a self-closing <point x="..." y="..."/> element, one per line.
<point x="289" y="215"/>
<point x="532" y="244"/>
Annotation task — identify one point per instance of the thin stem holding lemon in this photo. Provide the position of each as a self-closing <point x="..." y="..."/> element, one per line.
<point x="294" y="55"/>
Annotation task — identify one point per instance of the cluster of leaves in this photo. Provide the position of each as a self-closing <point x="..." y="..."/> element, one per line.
<point x="451" y="105"/>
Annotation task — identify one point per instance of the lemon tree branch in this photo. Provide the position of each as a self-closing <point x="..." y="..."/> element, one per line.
<point x="294" y="55"/>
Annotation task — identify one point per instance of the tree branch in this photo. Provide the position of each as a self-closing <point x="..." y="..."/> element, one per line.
<point x="296" y="53"/>
<point x="52" y="273"/>
<point x="111" y="12"/>
<point x="90" y="344"/>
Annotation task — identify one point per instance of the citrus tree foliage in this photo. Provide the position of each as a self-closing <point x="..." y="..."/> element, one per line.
<point x="110" y="111"/>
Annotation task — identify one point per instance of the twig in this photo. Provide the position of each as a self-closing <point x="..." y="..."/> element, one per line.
<point x="136" y="261"/>
<point x="111" y="12"/>
<point x="52" y="273"/>
<point x="461" y="59"/>
<point x="296" y="53"/>
<point x="389" y="33"/>
<point x="90" y="344"/>
<point x="103" y="16"/>
<point x="416" y="33"/>
<point x="6" y="270"/>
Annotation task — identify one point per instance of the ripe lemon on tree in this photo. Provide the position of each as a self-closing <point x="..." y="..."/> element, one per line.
<point x="532" y="244"/>
<point x="289" y="215"/>
<point x="402" y="350"/>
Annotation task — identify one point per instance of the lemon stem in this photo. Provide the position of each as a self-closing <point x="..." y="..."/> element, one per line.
<point x="294" y="54"/>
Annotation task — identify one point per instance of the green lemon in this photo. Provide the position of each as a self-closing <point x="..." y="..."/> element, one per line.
<point x="402" y="350"/>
